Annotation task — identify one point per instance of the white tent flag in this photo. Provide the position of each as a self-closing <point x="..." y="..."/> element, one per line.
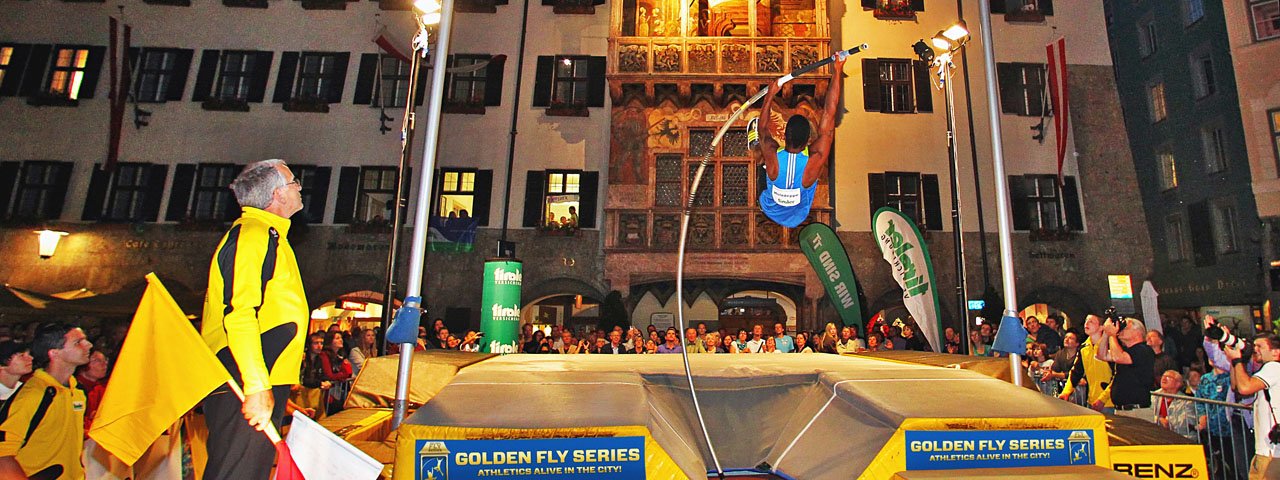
<point x="1151" y="307"/>
<point x="901" y="244"/>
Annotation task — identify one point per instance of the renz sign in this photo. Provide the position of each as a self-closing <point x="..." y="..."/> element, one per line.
<point x="1157" y="470"/>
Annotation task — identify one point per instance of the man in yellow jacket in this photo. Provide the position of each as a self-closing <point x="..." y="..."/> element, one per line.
<point x="255" y="313"/>
<point x="1096" y="373"/>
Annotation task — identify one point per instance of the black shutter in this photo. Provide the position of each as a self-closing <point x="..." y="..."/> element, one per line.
<point x="340" y="62"/>
<point x="156" y="175"/>
<point x="869" y="4"/>
<point x="1018" y="199"/>
<point x="875" y="185"/>
<point x="366" y="77"/>
<point x="997" y="6"/>
<point x="1202" y="234"/>
<point x="483" y="197"/>
<point x="1010" y="88"/>
<point x="542" y="81"/>
<point x="1071" y="204"/>
<point x="284" y="81"/>
<point x="917" y="5"/>
<point x="206" y="75"/>
<point x="924" y="86"/>
<point x="424" y="72"/>
<point x="493" y="80"/>
<point x="344" y="209"/>
<point x="535" y="185"/>
<point x="261" y="70"/>
<point x="232" y="211"/>
<point x="319" y="194"/>
<point x="92" y="70"/>
<point x="96" y="196"/>
<point x="596" y="86"/>
<point x="588" y="199"/>
<point x="436" y="181"/>
<point x="8" y="181"/>
<point x="37" y="67"/>
<point x="1046" y="7"/>
<point x="58" y="192"/>
<point x="184" y="180"/>
<point x="871" y="85"/>
<point x="13" y="74"/>
<point x="181" y="69"/>
<point x="932" y="202"/>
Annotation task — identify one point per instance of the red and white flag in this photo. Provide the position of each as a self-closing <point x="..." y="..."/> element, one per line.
<point x="391" y="45"/>
<point x="117" y="53"/>
<point x="1057" y="69"/>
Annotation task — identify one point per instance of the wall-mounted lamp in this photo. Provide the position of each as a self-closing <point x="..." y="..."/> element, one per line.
<point x="428" y="11"/>
<point x="49" y="242"/>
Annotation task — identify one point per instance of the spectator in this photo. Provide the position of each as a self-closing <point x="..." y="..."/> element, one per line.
<point x="1214" y="425"/>
<point x="365" y="349"/>
<point x="913" y="342"/>
<point x="951" y="340"/>
<point x="711" y="342"/>
<point x="985" y="333"/>
<point x="849" y="343"/>
<point x="977" y="346"/>
<point x="740" y="345"/>
<point x="727" y="345"/>
<point x="756" y="344"/>
<point x="15" y="362"/>
<point x="896" y="341"/>
<point x="672" y="344"/>
<point x="315" y="385"/>
<point x="1174" y="414"/>
<point x="441" y="339"/>
<point x="1063" y="360"/>
<point x="784" y="342"/>
<point x="1044" y="336"/>
<point x="1089" y="371"/>
<point x="692" y="343"/>
<point x="770" y="345"/>
<point x="470" y="343"/>
<point x="634" y="339"/>
<point x="640" y="348"/>
<point x="537" y="343"/>
<point x="874" y="341"/>
<point x="614" y="346"/>
<point x="337" y="370"/>
<point x="1242" y="448"/>
<point x="801" y="341"/>
<point x="1266" y="350"/>
<point x="1164" y="361"/>
<point x="650" y="347"/>
<point x="566" y="344"/>
<point x="1188" y="341"/>
<point x="423" y="341"/>
<point x="702" y="329"/>
<point x="35" y="440"/>
<point x="1134" y="364"/>
<point x="830" y="337"/>
<point x="1054" y="322"/>
<point x="92" y="379"/>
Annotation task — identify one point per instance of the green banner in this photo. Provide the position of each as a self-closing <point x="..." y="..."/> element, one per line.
<point x="830" y="260"/>
<point x="500" y="306"/>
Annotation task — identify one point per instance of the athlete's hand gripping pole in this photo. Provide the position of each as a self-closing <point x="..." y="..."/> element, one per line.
<point x="840" y="55"/>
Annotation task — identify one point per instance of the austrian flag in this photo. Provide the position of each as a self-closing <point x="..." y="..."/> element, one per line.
<point x="1057" y="67"/>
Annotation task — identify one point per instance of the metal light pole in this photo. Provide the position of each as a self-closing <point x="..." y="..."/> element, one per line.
<point x="417" y="257"/>
<point x="397" y="217"/>
<point x="945" y="70"/>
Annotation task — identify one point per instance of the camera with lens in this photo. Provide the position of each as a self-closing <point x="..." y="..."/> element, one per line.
<point x="1227" y="340"/>
<point x="1109" y="315"/>
<point x="1274" y="434"/>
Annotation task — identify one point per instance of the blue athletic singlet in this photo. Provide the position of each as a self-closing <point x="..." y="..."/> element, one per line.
<point x="785" y="199"/>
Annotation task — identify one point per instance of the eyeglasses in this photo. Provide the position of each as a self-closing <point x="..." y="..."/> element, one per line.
<point x="296" y="181"/>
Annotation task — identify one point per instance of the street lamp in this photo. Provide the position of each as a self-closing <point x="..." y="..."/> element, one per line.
<point x="940" y="50"/>
<point x="49" y="242"/>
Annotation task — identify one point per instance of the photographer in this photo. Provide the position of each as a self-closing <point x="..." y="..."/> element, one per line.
<point x="1266" y="350"/>
<point x="1215" y="337"/>
<point x="1124" y="344"/>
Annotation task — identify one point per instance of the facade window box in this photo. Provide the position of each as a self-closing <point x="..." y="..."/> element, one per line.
<point x="225" y="105"/>
<point x="245" y="3"/>
<point x="567" y="110"/>
<point x="557" y="231"/>
<point x="894" y="10"/>
<point x="463" y="108"/>
<point x="324" y="4"/>
<point x="171" y="3"/>
<point x="1051" y="235"/>
<point x="371" y="226"/>
<point x="306" y="105"/>
<point x="574" y="7"/>
<point x="1028" y="15"/>
<point x="47" y="99"/>
<point x="395" y="5"/>
<point x="476" y="6"/>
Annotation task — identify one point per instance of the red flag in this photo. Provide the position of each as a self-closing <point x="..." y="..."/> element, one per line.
<point x="119" y="88"/>
<point x="286" y="469"/>
<point x="1057" y="67"/>
<point x="391" y="45"/>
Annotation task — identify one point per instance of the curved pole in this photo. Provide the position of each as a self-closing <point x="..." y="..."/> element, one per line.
<point x="684" y="226"/>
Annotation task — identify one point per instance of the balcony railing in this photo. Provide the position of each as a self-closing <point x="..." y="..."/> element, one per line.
<point x="770" y="56"/>
<point x="723" y="229"/>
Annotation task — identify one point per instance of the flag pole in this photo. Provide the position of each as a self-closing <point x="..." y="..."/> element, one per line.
<point x="272" y="433"/>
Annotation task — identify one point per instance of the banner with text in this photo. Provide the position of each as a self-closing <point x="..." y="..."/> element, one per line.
<point x="903" y="247"/>
<point x="1160" y="461"/>
<point x="551" y="458"/>
<point x="965" y="449"/>
<point x="500" y="306"/>
<point x="830" y="261"/>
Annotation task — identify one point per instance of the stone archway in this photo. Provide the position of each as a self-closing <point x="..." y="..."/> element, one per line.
<point x="337" y="286"/>
<point x="1062" y="298"/>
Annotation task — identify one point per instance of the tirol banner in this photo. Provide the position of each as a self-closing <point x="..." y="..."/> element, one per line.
<point x="831" y="262"/>
<point x="902" y="246"/>
<point x="500" y="305"/>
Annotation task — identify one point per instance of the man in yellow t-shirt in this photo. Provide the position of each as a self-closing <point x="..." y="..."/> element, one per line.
<point x="1096" y="373"/>
<point x="42" y="426"/>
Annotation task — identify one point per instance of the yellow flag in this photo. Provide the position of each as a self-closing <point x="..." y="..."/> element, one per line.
<point x="163" y="371"/>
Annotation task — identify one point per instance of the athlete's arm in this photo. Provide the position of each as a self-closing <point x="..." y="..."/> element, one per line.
<point x="10" y="470"/>
<point x="820" y="151"/>
<point x="767" y="149"/>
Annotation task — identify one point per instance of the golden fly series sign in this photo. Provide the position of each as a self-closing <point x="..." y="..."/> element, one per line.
<point x="965" y="449"/>
<point x="610" y="458"/>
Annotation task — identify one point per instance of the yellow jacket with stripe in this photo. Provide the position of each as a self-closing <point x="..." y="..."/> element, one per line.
<point x="1097" y="372"/>
<point x="255" y="309"/>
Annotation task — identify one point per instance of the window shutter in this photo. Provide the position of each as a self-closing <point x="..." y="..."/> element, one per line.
<point x="596" y="85"/>
<point x="184" y="179"/>
<point x="58" y="194"/>
<point x="436" y="181"/>
<point x="588" y="199"/>
<point x="366" y="78"/>
<point x="181" y="69"/>
<point x="450" y="62"/>
<point x="340" y="62"/>
<point x="917" y="5"/>
<point x="1046" y="7"/>
<point x="932" y="202"/>
<point x="483" y="196"/>
<point x="96" y="196"/>
<point x="284" y="81"/>
<point x="871" y="85"/>
<point x="542" y="83"/>
<point x="875" y="185"/>
<point x="205" y="76"/>
<point x="869" y="4"/>
<point x="37" y="67"/>
<point x="156" y="175"/>
<point x="320" y="194"/>
<point x="1202" y="232"/>
<point x="13" y="75"/>
<point x="8" y="182"/>
<point x="261" y="71"/>
<point x="493" y="80"/>
<point x="924" y="86"/>
<point x="997" y="6"/>
<point x="1071" y="204"/>
<point x="348" y="187"/>
<point x="424" y="77"/>
<point x="232" y="211"/>
<point x="92" y="70"/>
<point x="535" y="185"/>
<point x="1018" y="198"/>
<point x="1010" y="88"/>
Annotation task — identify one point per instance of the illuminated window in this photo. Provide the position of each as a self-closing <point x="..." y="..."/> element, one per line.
<point x="570" y="82"/>
<point x="68" y="72"/>
<point x="377" y="194"/>
<point x="6" y="55"/>
<point x="1168" y="169"/>
<point x="562" y="198"/>
<point x="1266" y="19"/>
<point x="1155" y="100"/>
<point x="457" y="193"/>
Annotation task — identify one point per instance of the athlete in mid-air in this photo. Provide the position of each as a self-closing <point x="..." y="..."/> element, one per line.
<point x="794" y="169"/>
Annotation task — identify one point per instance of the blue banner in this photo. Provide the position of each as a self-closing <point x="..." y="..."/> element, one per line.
<point x="964" y="449"/>
<point x="555" y="458"/>
<point x="451" y="234"/>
